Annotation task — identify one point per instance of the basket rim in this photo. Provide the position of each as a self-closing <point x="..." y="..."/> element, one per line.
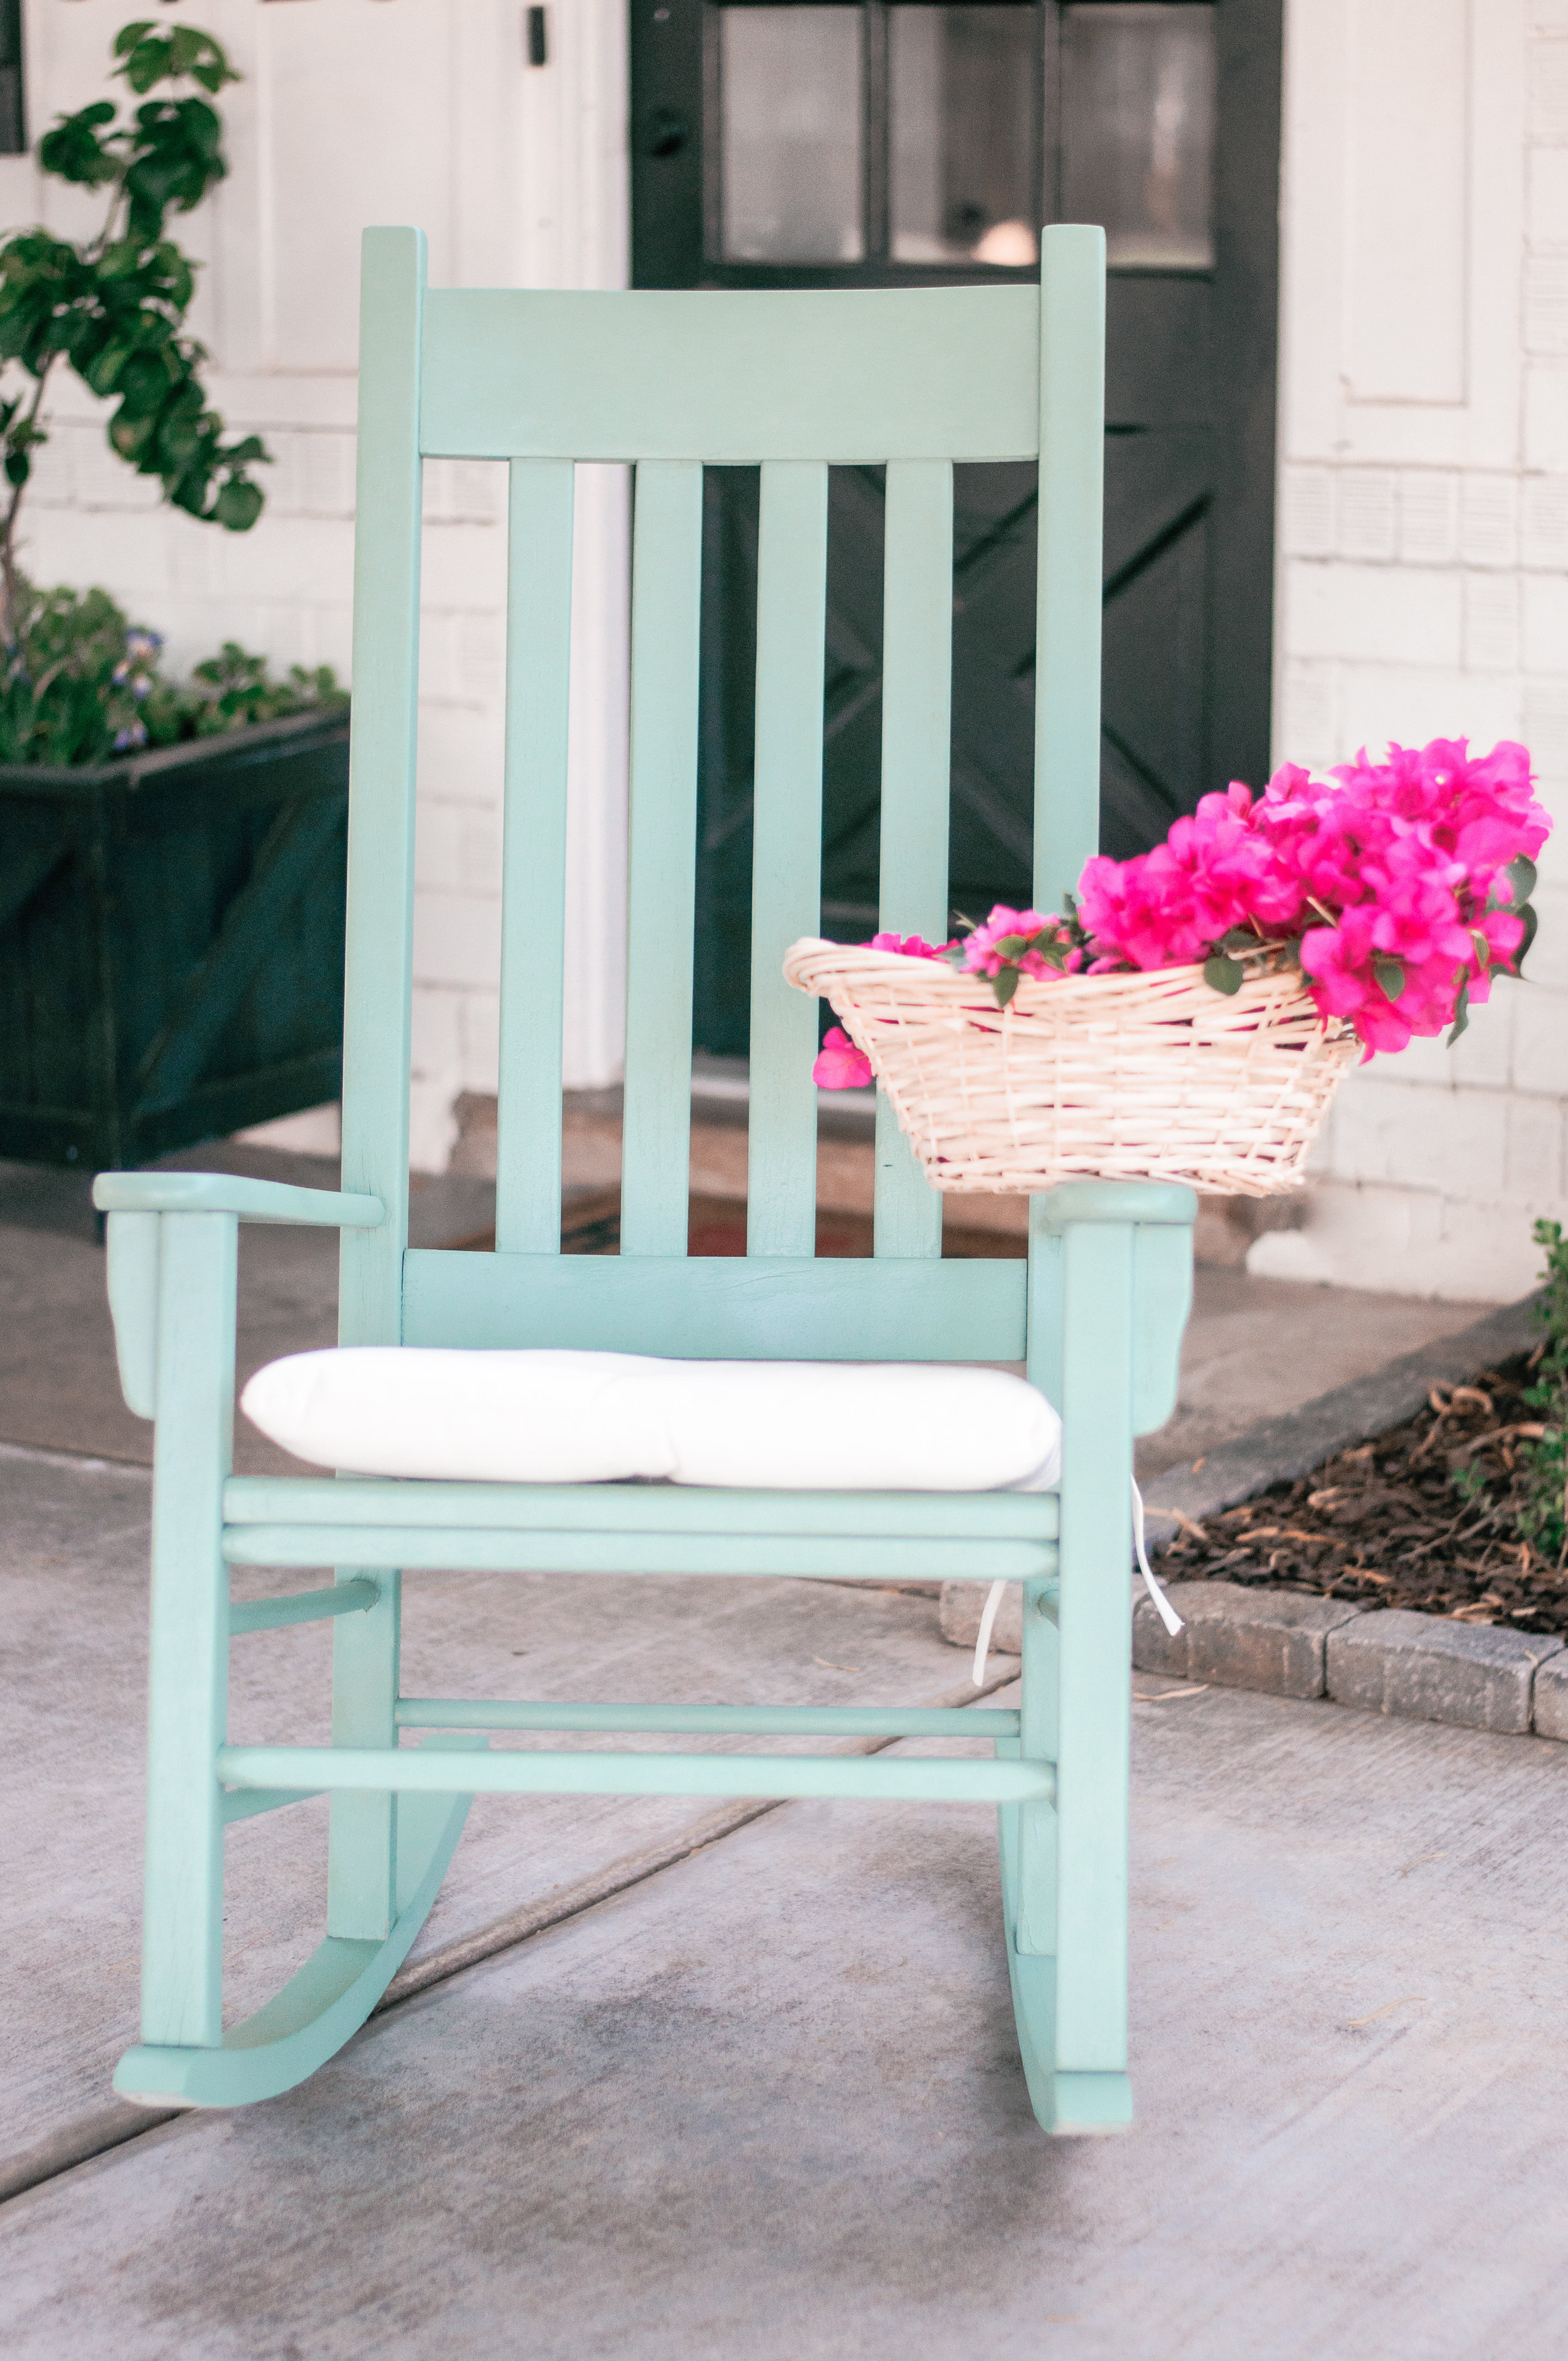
<point x="965" y="986"/>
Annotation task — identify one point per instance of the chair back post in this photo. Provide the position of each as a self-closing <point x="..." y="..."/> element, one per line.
<point x="1071" y="540"/>
<point x="378" y="988"/>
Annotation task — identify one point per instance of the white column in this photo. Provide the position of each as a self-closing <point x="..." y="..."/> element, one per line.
<point x="575" y="232"/>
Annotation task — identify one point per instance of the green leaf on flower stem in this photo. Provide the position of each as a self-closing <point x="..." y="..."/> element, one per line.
<point x="1240" y="939"/>
<point x="1390" y="975"/>
<point x="1520" y="874"/>
<point x="1010" y="944"/>
<point x="1223" y="973"/>
<point x="1526" y="912"/>
<point x="1004" y="984"/>
<point x="1461" y="1011"/>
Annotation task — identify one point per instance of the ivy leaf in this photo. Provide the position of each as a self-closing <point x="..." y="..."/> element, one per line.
<point x="1240" y="939"/>
<point x="239" y="504"/>
<point x="1005" y="983"/>
<point x="1390" y="975"/>
<point x="73" y="152"/>
<point x="130" y="436"/>
<point x="1520" y="874"/>
<point x="1461" y="1011"/>
<point x="148" y="56"/>
<point x="1525" y="911"/>
<point x="1223" y="973"/>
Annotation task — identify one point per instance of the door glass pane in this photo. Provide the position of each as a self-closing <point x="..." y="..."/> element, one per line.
<point x="1137" y="110"/>
<point x="963" y="88"/>
<point x="790" y="135"/>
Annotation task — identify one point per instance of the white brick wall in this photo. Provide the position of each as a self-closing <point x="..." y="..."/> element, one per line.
<point x="1423" y="584"/>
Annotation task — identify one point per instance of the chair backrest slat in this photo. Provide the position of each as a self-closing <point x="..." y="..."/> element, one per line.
<point x="666" y="591"/>
<point x="1068" y="610"/>
<point x="533" y="861"/>
<point x="786" y="856"/>
<point x="916" y="722"/>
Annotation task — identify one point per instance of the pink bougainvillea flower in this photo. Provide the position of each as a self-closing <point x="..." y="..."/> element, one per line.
<point x="1395" y="875"/>
<point x="981" y="956"/>
<point x="999" y="944"/>
<point x="907" y="946"/>
<point x="839" y="1065"/>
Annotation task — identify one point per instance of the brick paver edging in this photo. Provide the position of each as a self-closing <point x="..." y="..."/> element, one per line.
<point x="1382" y="1659"/>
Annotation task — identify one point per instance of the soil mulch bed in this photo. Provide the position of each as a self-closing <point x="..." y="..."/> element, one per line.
<point x="1387" y="1523"/>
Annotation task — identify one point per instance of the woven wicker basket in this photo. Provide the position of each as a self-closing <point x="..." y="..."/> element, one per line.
<point x="1148" y="1077"/>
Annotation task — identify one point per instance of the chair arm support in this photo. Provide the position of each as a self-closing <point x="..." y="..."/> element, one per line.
<point x="1160" y="1215"/>
<point x="138" y="1204"/>
<point x="232" y="1192"/>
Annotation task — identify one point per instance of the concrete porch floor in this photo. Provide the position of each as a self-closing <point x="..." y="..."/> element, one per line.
<point x="764" y="2101"/>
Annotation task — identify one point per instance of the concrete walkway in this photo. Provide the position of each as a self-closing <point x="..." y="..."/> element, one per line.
<point x="767" y="2104"/>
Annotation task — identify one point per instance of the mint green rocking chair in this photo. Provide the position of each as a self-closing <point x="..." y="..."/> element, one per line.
<point x="791" y="381"/>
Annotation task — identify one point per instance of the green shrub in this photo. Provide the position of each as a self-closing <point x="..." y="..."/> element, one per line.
<point x="81" y="684"/>
<point x="1543" y="1516"/>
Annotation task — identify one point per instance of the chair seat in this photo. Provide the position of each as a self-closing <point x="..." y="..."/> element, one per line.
<point x="558" y="1417"/>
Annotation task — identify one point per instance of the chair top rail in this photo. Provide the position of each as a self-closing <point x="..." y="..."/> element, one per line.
<point x="732" y="377"/>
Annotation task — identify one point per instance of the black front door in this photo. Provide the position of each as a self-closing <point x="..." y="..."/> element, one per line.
<point x="895" y="142"/>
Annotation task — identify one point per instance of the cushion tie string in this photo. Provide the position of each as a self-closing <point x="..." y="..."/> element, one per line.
<point x="1163" y="1607"/>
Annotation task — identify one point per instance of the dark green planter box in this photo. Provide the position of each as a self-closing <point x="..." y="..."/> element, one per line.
<point x="171" y="943"/>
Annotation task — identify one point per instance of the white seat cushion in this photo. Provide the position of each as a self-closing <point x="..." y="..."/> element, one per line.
<point x="576" y="1418"/>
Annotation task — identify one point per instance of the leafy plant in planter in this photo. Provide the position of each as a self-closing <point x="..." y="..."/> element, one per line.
<point x="172" y="876"/>
<point x="79" y="683"/>
<point x="112" y="307"/>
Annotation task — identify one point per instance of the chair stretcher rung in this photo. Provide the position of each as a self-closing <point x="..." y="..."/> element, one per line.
<point x="726" y="1720"/>
<point x="826" y="1556"/>
<point x="301" y="1607"/>
<point x="245" y="1803"/>
<point x="412" y="1504"/>
<point x="436" y="1770"/>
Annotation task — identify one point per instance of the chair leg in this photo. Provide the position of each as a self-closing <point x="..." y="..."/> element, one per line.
<point x="188" y="1676"/>
<point x="362" y="1843"/>
<point x="1028" y="1836"/>
<point x="1066" y="1877"/>
<point x="1092" y="2091"/>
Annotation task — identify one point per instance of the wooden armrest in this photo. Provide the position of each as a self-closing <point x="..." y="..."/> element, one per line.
<point x="232" y="1192"/>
